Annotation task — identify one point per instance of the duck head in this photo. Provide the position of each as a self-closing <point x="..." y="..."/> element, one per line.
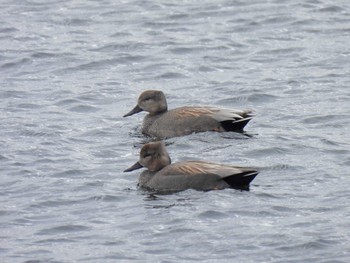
<point x="153" y="156"/>
<point x="152" y="101"/>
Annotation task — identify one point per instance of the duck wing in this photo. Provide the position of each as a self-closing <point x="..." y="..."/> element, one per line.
<point x="220" y="114"/>
<point x="230" y="119"/>
<point x="232" y="175"/>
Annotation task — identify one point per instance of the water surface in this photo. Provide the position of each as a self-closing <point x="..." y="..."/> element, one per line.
<point x="71" y="69"/>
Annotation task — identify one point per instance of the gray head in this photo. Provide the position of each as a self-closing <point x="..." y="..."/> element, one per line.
<point x="153" y="156"/>
<point x="152" y="101"/>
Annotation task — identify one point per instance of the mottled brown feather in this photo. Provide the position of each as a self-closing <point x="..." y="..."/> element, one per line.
<point x="195" y="111"/>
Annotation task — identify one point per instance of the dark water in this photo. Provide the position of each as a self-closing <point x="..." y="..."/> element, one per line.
<point x="71" y="69"/>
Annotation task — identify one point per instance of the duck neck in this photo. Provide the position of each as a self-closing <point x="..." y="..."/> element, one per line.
<point x="162" y="108"/>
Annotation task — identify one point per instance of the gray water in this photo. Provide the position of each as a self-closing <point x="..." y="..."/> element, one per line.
<point x="69" y="70"/>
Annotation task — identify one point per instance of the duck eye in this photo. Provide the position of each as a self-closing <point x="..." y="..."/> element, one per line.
<point x="147" y="154"/>
<point x="148" y="98"/>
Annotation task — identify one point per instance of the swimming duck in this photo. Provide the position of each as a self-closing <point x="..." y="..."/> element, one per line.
<point x="163" y="123"/>
<point x="162" y="176"/>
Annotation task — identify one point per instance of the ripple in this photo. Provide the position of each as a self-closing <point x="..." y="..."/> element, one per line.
<point x="206" y="69"/>
<point x="283" y="209"/>
<point x="261" y="97"/>
<point x="37" y="132"/>
<point x="184" y="50"/>
<point x="84" y="109"/>
<point x="212" y="215"/>
<point x="158" y="25"/>
<point x="37" y="55"/>
<point x="69" y="173"/>
<point x="6" y="30"/>
<point x="279" y="167"/>
<point x="124" y="47"/>
<point x="278" y="20"/>
<point x="282" y="51"/>
<point x="38" y="260"/>
<point x="331" y="9"/>
<point x="63" y="230"/>
<point x="16" y="64"/>
<point x="65" y="102"/>
<point x="13" y="94"/>
<point x="56" y="240"/>
<point x="78" y="22"/>
<point x="3" y="158"/>
<point x="322" y="119"/>
<point x="171" y="75"/>
<point x="109" y="198"/>
<point x="269" y="151"/>
<point x="102" y="64"/>
<point x="57" y="203"/>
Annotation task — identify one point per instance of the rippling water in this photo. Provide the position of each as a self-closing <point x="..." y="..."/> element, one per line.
<point x="71" y="69"/>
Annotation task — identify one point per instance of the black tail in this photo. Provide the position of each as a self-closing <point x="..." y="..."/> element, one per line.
<point x="235" y="126"/>
<point x="241" y="180"/>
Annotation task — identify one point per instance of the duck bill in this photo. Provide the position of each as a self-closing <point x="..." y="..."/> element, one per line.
<point x="136" y="166"/>
<point x="135" y="110"/>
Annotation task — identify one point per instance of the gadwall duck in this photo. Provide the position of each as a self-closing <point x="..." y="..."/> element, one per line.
<point x="162" y="123"/>
<point x="162" y="176"/>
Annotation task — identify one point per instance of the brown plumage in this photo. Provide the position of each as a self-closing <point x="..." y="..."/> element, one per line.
<point x="162" y="123"/>
<point x="200" y="175"/>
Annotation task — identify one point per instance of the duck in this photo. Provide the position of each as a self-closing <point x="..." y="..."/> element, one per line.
<point x="163" y="176"/>
<point x="163" y="123"/>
